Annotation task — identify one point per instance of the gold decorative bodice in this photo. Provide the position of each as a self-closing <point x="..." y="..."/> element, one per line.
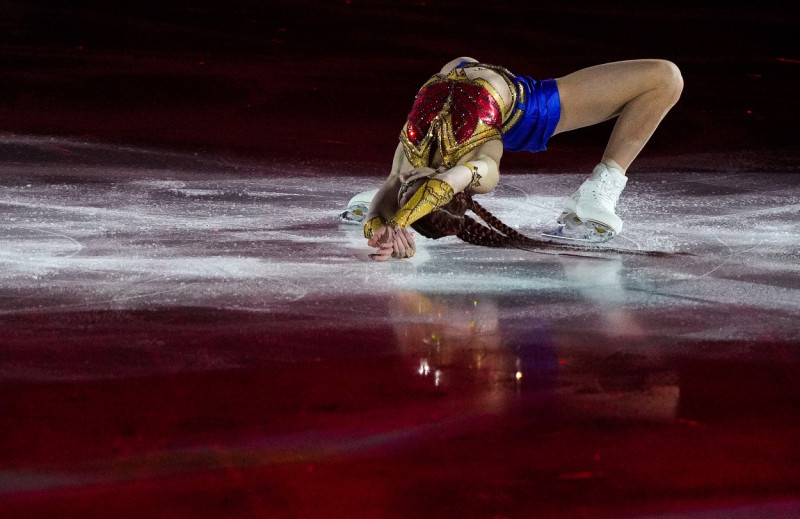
<point x="456" y="114"/>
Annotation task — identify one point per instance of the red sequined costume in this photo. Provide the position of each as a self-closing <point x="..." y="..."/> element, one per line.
<point x="458" y="113"/>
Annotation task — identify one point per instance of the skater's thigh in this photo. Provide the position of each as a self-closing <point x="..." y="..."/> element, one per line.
<point x="595" y="94"/>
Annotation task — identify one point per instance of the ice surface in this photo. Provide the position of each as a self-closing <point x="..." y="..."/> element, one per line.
<point x="97" y="227"/>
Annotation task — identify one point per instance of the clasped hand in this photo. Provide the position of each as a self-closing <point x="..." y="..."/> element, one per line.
<point x="392" y="242"/>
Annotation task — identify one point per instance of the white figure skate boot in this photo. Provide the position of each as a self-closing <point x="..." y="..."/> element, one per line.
<point x="592" y="206"/>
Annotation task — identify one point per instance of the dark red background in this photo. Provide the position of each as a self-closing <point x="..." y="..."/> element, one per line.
<point x="334" y="80"/>
<point x="330" y="83"/>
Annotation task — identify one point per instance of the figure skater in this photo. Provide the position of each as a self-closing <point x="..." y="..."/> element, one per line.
<point x="465" y="116"/>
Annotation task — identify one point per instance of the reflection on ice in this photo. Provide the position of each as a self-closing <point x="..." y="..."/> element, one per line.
<point x="461" y="346"/>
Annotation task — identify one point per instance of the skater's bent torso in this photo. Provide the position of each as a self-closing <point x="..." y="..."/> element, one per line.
<point x="469" y="112"/>
<point x="468" y="104"/>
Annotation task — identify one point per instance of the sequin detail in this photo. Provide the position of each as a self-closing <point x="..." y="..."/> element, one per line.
<point x="432" y="195"/>
<point x="457" y="113"/>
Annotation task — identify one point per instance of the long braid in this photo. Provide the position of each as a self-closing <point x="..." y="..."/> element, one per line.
<point x="451" y="220"/>
<point x="501" y="235"/>
<point x="477" y="234"/>
<point x="495" y="222"/>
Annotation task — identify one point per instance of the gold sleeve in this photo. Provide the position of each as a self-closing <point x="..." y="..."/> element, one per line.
<point x="432" y="195"/>
<point x="372" y="225"/>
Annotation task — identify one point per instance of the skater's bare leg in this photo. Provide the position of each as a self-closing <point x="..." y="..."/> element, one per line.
<point x="639" y="93"/>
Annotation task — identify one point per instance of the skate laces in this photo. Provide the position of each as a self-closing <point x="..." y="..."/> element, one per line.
<point x="605" y="191"/>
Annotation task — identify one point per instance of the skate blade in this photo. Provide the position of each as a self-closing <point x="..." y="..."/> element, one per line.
<point x="569" y="219"/>
<point x="353" y="215"/>
<point x="586" y="232"/>
<point x="600" y="231"/>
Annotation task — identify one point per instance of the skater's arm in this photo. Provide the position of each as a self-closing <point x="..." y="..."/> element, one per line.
<point x="480" y="172"/>
<point x="391" y="243"/>
<point x="384" y="204"/>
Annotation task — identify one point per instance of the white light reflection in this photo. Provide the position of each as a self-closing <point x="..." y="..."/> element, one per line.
<point x="424" y="368"/>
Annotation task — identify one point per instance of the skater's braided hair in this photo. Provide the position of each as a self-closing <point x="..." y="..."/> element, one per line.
<point x="452" y="220"/>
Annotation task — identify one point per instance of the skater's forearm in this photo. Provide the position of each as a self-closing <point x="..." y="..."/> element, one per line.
<point x="480" y="173"/>
<point x="384" y="204"/>
<point x="468" y="174"/>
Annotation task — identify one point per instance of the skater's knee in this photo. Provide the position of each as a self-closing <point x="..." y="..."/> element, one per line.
<point x="670" y="80"/>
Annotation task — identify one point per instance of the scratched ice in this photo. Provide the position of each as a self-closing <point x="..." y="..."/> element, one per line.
<point x="91" y="226"/>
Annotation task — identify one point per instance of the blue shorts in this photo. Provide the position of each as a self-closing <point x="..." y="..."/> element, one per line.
<point x="541" y="111"/>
